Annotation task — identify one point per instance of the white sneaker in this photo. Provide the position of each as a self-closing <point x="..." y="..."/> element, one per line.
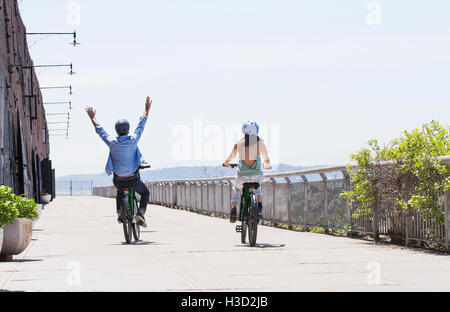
<point x="141" y="221"/>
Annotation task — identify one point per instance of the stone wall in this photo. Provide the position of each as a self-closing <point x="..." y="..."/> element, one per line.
<point x="24" y="138"/>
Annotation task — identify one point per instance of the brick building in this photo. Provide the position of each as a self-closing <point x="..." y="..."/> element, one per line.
<point x="24" y="138"/>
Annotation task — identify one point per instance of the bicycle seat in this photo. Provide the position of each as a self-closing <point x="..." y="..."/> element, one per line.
<point x="253" y="185"/>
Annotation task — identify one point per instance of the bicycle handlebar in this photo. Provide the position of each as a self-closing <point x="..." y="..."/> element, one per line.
<point x="235" y="166"/>
<point x="231" y="165"/>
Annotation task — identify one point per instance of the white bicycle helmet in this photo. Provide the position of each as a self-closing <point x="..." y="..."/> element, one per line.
<point x="250" y="128"/>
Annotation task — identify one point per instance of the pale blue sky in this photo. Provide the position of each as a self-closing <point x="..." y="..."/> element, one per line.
<point x="315" y="69"/>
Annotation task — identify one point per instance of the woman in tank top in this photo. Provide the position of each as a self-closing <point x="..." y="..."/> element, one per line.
<point x="250" y="168"/>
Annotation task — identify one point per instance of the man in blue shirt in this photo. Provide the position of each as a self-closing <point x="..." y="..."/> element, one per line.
<point x="124" y="159"/>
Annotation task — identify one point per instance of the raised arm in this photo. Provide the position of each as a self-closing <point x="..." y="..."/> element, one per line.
<point x="91" y="113"/>
<point x="99" y="129"/>
<point x="141" y="125"/>
<point x="231" y="157"/>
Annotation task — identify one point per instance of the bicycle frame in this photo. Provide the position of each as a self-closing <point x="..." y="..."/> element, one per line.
<point x="129" y="209"/>
<point x="130" y="200"/>
<point x="247" y="214"/>
<point x="244" y="213"/>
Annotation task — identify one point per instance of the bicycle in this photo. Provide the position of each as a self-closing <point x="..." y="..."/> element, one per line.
<point x="129" y="211"/>
<point x="248" y="212"/>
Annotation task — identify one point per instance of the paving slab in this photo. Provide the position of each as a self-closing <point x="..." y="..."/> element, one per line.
<point x="78" y="245"/>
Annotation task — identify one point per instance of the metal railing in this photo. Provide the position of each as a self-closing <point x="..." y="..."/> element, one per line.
<point x="286" y="201"/>
<point x="74" y="188"/>
<point x="307" y="198"/>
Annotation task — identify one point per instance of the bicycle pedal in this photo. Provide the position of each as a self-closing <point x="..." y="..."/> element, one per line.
<point x="238" y="228"/>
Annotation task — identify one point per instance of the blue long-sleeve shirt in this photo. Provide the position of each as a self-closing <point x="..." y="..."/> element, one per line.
<point x="124" y="157"/>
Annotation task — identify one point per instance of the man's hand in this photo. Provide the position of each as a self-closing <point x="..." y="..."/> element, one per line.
<point x="91" y="113"/>
<point x="148" y="105"/>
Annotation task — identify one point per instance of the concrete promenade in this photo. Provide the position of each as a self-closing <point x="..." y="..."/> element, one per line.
<point x="78" y="246"/>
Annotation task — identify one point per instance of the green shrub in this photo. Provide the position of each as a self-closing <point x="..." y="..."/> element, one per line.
<point x="13" y="206"/>
<point x="403" y="176"/>
<point x="28" y="208"/>
<point x="8" y="206"/>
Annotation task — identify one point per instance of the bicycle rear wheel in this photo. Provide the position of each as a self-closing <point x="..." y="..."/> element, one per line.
<point x="243" y="232"/>
<point x="135" y="226"/>
<point x="253" y="222"/>
<point x="243" y="217"/>
<point x="126" y="221"/>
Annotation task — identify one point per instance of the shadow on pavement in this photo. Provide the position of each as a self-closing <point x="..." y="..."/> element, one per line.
<point x="263" y="246"/>
<point x="145" y="243"/>
<point x="24" y="260"/>
<point x="139" y="243"/>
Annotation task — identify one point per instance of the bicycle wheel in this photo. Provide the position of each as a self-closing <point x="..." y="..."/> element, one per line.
<point x="136" y="231"/>
<point x="253" y="222"/>
<point x="135" y="226"/>
<point x="243" y="232"/>
<point x="126" y="221"/>
<point x="244" y="220"/>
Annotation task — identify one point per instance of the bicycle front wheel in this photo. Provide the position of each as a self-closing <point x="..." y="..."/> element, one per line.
<point x="136" y="231"/>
